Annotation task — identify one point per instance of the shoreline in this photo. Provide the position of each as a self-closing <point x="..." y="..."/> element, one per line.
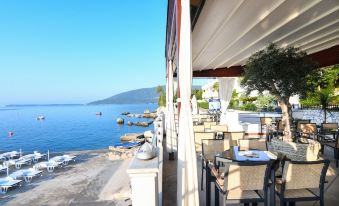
<point x="93" y="179"/>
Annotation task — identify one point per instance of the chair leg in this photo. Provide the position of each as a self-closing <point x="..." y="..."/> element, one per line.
<point x="337" y="157"/>
<point x="216" y="196"/>
<point x="202" y="173"/>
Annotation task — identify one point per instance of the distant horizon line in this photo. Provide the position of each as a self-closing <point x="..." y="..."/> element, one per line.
<point x="45" y="105"/>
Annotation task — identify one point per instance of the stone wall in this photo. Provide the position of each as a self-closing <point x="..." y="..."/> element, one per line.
<point x="316" y="115"/>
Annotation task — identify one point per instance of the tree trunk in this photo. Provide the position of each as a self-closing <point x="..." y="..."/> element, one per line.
<point x="286" y="118"/>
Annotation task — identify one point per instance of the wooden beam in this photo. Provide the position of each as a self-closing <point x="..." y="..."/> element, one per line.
<point x="326" y="57"/>
<point x="234" y="71"/>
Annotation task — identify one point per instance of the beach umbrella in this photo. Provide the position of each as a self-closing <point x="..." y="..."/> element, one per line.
<point x="194" y="105"/>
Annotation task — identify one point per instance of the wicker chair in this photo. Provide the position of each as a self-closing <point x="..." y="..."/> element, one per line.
<point x="334" y="145"/>
<point x="253" y="144"/>
<point x="198" y="136"/>
<point x="328" y="131"/>
<point x="308" y="130"/>
<point x="304" y="121"/>
<point x="233" y="137"/>
<point x="210" y="148"/>
<point x="297" y="180"/>
<point x="208" y="124"/>
<point x="199" y="128"/>
<point x="265" y="122"/>
<point x="241" y="184"/>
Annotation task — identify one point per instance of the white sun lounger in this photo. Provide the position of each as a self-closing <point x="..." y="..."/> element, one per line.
<point x="3" y="168"/>
<point x="50" y="165"/>
<point x="19" y="162"/>
<point x="35" y="157"/>
<point x="9" y="155"/>
<point x="26" y="174"/>
<point x="8" y="182"/>
<point x="64" y="159"/>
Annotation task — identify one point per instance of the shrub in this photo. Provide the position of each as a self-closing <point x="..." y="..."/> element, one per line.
<point x="248" y="107"/>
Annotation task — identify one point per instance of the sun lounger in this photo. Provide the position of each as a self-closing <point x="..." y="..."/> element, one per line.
<point x="64" y="159"/>
<point x="8" y="182"/>
<point x="26" y="174"/>
<point x="3" y="168"/>
<point x="9" y="155"/>
<point x="19" y="162"/>
<point x="35" y="157"/>
<point x="50" y="165"/>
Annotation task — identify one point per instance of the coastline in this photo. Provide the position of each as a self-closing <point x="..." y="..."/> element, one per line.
<point x="93" y="179"/>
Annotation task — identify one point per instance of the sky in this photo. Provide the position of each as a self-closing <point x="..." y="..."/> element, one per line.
<point x="78" y="51"/>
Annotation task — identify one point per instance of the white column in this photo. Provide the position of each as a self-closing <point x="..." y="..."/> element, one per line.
<point x="187" y="191"/>
<point x="171" y="134"/>
<point x="226" y="86"/>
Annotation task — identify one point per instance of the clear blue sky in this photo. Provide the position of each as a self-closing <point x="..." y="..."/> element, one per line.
<point x="77" y="51"/>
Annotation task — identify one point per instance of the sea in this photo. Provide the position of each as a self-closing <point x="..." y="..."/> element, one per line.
<point x="67" y="127"/>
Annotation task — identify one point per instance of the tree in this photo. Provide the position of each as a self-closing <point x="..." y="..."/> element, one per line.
<point x="216" y="86"/>
<point x="162" y="96"/>
<point x="281" y="71"/>
<point x="197" y="93"/>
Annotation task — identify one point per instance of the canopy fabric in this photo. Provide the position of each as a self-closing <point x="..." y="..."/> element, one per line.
<point x="194" y="102"/>
<point x="187" y="187"/>
<point x="171" y="133"/>
<point x="226" y="86"/>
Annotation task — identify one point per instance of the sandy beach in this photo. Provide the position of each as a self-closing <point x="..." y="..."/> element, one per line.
<point x="92" y="179"/>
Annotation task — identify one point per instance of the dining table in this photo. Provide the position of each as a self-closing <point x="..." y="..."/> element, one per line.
<point x="240" y="154"/>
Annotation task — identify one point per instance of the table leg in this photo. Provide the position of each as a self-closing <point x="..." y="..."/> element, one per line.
<point x="216" y="195"/>
<point x="208" y="185"/>
<point x="272" y="189"/>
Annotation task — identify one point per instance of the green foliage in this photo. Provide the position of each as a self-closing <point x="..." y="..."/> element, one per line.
<point x="216" y="86"/>
<point x="246" y="99"/>
<point x="265" y="102"/>
<point x="203" y="104"/>
<point x="234" y="103"/>
<point x="162" y="99"/>
<point x="248" y="107"/>
<point x="281" y="71"/>
<point x="160" y="89"/>
<point x="197" y="93"/>
<point x="323" y="85"/>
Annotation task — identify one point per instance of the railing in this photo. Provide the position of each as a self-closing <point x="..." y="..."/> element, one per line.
<point x="332" y="107"/>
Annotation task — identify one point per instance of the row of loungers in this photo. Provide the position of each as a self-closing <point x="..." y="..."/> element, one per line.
<point x="16" y="178"/>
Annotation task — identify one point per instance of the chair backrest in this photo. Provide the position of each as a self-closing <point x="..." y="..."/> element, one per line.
<point x="219" y="128"/>
<point x="198" y="136"/>
<point x="309" y="128"/>
<point x="305" y="121"/>
<point x="198" y="128"/>
<point x="265" y="120"/>
<point x="208" y="124"/>
<point x="240" y="176"/>
<point x="302" y="174"/>
<point x="329" y="126"/>
<point x="233" y="137"/>
<point x="212" y="147"/>
<point x="255" y="144"/>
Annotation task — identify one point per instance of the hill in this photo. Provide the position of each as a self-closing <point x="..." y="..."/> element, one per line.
<point x="138" y="96"/>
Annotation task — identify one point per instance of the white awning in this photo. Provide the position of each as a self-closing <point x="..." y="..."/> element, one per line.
<point x="228" y="32"/>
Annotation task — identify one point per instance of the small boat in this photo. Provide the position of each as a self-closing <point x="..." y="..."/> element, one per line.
<point x="40" y="117"/>
<point x="98" y="113"/>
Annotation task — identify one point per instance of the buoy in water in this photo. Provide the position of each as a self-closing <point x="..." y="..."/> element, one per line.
<point x="98" y="113"/>
<point x="10" y="134"/>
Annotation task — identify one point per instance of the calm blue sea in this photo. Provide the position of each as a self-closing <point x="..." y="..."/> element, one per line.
<point x="66" y="128"/>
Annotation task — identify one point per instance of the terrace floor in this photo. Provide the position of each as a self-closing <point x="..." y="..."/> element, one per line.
<point x="170" y="183"/>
